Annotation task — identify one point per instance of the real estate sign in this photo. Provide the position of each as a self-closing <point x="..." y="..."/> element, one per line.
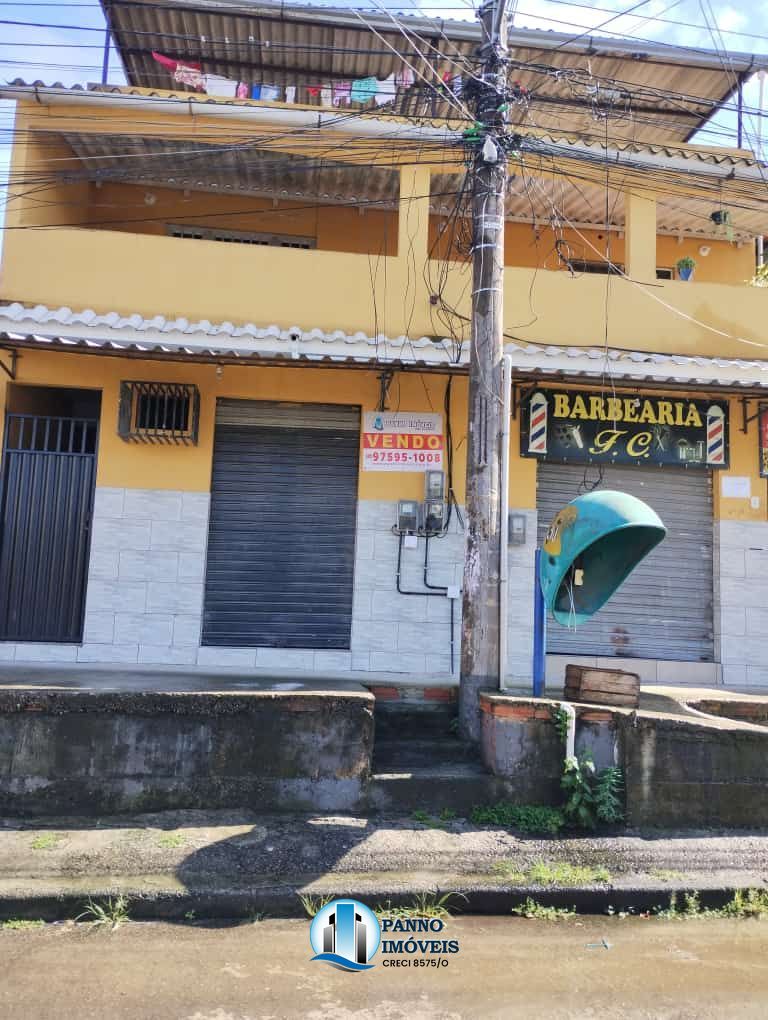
<point x="402" y="441"/>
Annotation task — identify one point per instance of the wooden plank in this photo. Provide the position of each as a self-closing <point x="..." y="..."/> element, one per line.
<point x="604" y="698"/>
<point x="607" y="685"/>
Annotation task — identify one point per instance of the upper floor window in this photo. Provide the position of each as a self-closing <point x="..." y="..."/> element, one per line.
<point x="240" y="236"/>
<point x="614" y="269"/>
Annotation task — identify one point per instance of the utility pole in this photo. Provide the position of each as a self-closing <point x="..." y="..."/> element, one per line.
<point x="480" y="657"/>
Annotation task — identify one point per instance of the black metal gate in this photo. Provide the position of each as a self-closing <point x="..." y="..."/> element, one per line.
<point x="49" y="472"/>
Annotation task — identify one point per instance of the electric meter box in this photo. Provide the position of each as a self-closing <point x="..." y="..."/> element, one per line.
<point x="408" y="516"/>
<point x="434" y="485"/>
<point x="435" y="514"/>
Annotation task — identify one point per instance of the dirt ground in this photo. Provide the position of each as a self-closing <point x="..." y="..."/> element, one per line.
<point x="505" y="967"/>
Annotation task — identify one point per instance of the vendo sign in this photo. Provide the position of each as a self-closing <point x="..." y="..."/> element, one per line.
<point x="402" y="441"/>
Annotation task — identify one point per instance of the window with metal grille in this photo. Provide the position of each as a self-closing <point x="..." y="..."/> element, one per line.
<point x="158" y="412"/>
<point x="240" y="237"/>
<point x="613" y="269"/>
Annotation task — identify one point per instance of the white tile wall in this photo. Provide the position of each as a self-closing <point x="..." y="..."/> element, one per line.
<point x="148" y="607"/>
<point x="741" y="601"/>
<point x="145" y="595"/>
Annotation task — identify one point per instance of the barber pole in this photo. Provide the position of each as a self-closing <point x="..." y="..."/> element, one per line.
<point x="715" y="435"/>
<point x="537" y="431"/>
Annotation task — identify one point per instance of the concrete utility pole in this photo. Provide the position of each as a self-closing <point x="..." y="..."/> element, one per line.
<point x="480" y="666"/>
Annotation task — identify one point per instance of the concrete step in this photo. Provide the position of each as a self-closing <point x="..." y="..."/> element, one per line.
<point x="456" y="786"/>
<point x="398" y="755"/>
<point x="403" y="720"/>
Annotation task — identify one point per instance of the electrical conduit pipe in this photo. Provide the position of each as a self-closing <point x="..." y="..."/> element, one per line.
<point x="506" y="391"/>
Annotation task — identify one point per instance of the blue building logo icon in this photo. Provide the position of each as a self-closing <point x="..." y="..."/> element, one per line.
<point x="345" y="933"/>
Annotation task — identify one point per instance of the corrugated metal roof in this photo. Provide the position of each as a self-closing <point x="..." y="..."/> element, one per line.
<point x="303" y="46"/>
<point x="113" y="333"/>
<point x="180" y="163"/>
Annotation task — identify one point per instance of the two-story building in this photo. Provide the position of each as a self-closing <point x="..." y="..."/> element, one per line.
<point x="234" y="326"/>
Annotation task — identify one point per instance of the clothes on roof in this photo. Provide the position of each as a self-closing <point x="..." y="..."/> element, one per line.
<point x="340" y="93"/>
<point x="364" y="89"/>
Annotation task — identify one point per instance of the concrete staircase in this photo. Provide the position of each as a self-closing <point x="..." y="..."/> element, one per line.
<point x="420" y="764"/>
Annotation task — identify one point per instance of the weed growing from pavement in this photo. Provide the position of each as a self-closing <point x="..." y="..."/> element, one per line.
<point x="560" y="718"/>
<point x="746" y="903"/>
<point x="46" y="841"/>
<point x="534" y="910"/>
<point x="524" y="817"/>
<point x="423" y="905"/>
<point x="111" y="912"/>
<point x="545" y="873"/>
<point x="171" y="841"/>
<point x="314" y="904"/>
<point x="20" y="924"/>
<point x="432" y="822"/>
<point x="609" y="787"/>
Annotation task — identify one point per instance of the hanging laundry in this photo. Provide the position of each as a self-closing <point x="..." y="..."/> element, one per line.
<point x="404" y="78"/>
<point x="364" y="89"/>
<point x="188" y="75"/>
<point x="457" y="85"/>
<point x="326" y="97"/>
<point x="290" y="93"/>
<point x="341" y="91"/>
<point x="270" y="93"/>
<point x="165" y="61"/>
<point x="313" y="90"/>
<point x="255" y="91"/>
<point x="242" y="90"/>
<point x="385" y="91"/>
<point x="185" y="72"/>
<point x="224" y="88"/>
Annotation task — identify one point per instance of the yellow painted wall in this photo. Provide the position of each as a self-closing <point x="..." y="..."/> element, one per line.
<point x="138" y="465"/>
<point x="744" y="462"/>
<point x="35" y="157"/>
<point x="188" y="468"/>
<point x="335" y="227"/>
<point x="530" y="246"/>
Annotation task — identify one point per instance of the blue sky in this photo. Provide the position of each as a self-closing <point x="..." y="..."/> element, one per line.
<point x="75" y="55"/>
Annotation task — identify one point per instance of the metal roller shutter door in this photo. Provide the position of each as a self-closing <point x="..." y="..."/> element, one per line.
<point x="281" y="540"/>
<point x="664" y="609"/>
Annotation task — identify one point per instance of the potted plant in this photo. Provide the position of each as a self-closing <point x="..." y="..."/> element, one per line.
<point x="685" y="267"/>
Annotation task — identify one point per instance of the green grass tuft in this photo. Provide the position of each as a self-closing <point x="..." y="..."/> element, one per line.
<point x="524" y="817"/>
<point x="171" y="841"/>
<point x="111" y="912"/>
<point x="20" y="924"/>
<point x="546" y="873"/>
<point x="314" y="904"/>
<point x="423" y="905"/>
<point x="539" y="912"/>
<point x="46" y="841"/>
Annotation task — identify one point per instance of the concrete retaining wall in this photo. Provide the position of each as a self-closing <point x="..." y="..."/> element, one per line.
<point x="689" y="773"/>
<point x="680" y="771"/>
<point x="79" y="752"/>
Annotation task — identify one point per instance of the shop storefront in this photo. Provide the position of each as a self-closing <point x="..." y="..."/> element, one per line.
<point x="666" y="451"/>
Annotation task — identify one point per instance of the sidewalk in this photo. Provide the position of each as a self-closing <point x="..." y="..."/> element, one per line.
<point x="235" y="864"/>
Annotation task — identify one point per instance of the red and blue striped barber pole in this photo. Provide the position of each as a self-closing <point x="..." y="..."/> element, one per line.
<point x="537" y="430"/>
<point x="715" y="435"/>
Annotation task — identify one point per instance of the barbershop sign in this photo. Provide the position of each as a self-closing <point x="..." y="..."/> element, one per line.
<point x="572" y="426"/>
